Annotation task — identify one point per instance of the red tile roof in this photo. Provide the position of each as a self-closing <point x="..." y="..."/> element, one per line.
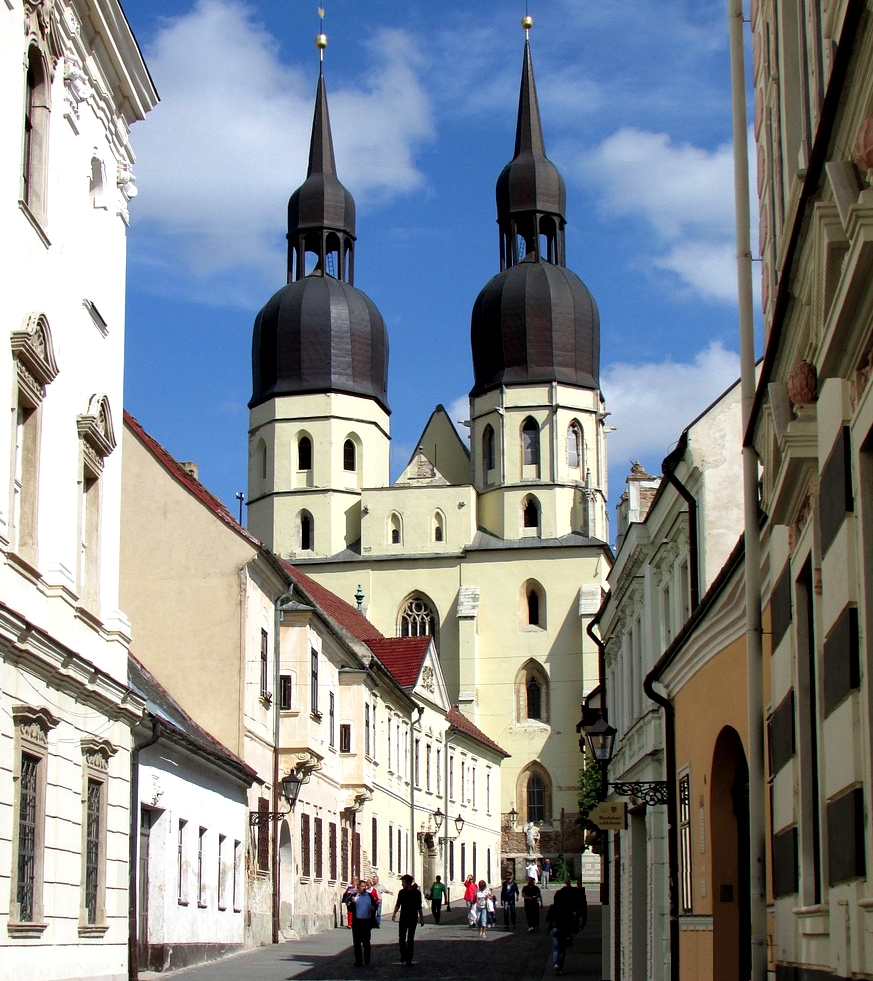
<point x="343" y="613"/>
<point x="463" y="724"/>
<point x="192" y="484"/>
<point x="402" y="656"/>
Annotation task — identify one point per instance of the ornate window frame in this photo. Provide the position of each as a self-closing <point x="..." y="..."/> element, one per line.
<point x="96" y="443"/>
<point x="96" y="754"/>
<point x="32" y="726"/>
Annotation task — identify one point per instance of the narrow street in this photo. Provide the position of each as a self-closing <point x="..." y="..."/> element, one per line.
<point x="450" y="951"/>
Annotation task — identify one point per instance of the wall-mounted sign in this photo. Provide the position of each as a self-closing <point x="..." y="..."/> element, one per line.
<point x="610" y="817"/>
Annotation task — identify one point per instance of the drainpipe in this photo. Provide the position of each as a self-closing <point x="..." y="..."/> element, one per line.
<point x="449" y="733"/>
<point x="413" y="840"/>
<point x="282" y="603"/>
<point x="754" y="633"/>
<point x="133" y="892"/>
<point x="668" y="468"/>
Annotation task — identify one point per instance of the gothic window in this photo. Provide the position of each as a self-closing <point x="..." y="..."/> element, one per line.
<point x="304" y="453"/>
<point x="532" y="693"/>
<point x="438" y="527"/>
<point x="488" y="449"/>
<point x="533" y="608"/>
<point x="97" y="441"/>
<point x="307" y="532"/>
<point x="530" y="513"/>
<point x="36" y="126"/>
<point x="417" y="618"/>
<point x="530" y="443"/>
<point x="535" y="789"/>
<point x="349" y="456"/>
<point x="395" y="529"/>
<point x="574" y="446"/>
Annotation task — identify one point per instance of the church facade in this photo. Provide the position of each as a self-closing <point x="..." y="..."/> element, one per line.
<point x="497" y="551"/>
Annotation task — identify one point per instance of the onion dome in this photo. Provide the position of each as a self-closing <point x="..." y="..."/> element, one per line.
<point x="319" y="333"/>
<point x="535" y="321"/>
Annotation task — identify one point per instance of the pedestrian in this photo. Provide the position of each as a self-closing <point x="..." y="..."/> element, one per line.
<point x="363" y="908"/>
<point x="437" y="891"/>
<point x="547" y="871"/>
<point x="470" y="899"/>
<point x="374" y="890"/>
<point x="533" y="899"/>
<point x="564" y="918"/>
<point x="482" y="907"/>
<point x="509" y="897"/>
<point x="532" y="872"/>
<point x="491" y="907"/>
<point x="411" y="914"/>
<point x="347" y="895"/>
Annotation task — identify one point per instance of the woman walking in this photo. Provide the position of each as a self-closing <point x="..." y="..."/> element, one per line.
<point x="533" y="899"/>
<point x="482" y="907"/>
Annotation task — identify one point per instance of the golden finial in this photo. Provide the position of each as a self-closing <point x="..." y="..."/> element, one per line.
<point x="527" y="24"/>
<point x="321" y="37"/>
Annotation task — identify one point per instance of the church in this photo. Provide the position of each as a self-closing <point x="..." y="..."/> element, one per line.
<point x="497" y="549"/>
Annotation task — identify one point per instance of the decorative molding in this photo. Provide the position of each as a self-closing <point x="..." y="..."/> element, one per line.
<point x="96" y="753"/>
<point x="34" y="353"/>
<point x="34" y="723"/>
<point x="96" y="431"/>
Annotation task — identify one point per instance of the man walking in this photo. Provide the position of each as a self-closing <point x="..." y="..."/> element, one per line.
<point x="437" y="891"/>
<point x="509" y="897"/>
<point x="411" y="914"/>
<point x="363" y="909"/>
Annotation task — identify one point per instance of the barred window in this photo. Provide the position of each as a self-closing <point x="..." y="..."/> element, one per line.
<point x="685" y="881"/>
<point x="27" y="837"/>
<point x="305" y="851"/>
<point x="263" y="835"/>
<point x="319" y="857"/>
<point x="344" y="855"/>
<point x="92" y="847"/>
<point x="331" y="845"/>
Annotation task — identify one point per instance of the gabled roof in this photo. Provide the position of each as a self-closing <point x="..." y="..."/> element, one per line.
<point x="343" y="613"/>
<point x="402" y="656"/>
<point x="161" y="706"/>
<point x="456" y="718"/>
<point x="186" y="479"/>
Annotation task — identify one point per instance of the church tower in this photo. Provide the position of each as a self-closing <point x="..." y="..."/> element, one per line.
<point x="318" y="419"/>
<point x="537" y="436"/>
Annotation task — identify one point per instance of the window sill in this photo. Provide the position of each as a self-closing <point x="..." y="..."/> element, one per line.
<point x="26" y="931"/>
<point x="36" y="224"/>
<point x="93" y="929"/>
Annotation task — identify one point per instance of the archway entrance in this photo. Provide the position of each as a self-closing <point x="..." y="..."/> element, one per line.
<point x="729" y="824"/>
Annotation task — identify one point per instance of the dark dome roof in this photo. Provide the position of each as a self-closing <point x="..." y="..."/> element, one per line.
<point x="321" y="201"/>
<point x="319" y="334"/>
<point x="531" y="183"/>
<point x="535" y="322"/>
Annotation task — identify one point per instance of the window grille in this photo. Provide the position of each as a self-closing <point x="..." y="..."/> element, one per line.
<point x="319" y="848"/>
<point x="27" y="837"/>
<point x="263" y="835"/>
<point x="417" y="619"/>
<point x="92" y="847"/>
<point x="305" y="852"/>
<point x="331" y="845"/>
<point x="685" y="881"/>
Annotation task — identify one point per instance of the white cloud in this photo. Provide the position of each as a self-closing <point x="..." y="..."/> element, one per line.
<point x="651" y="404"/>
<point x="221" y="154"/>
<point x="684" y="193"/>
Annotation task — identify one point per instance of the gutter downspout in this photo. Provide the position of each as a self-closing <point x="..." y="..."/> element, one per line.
<point x="449" y="733"/>
<point x="754" y="632"/>
<point x="281" y="604"/>
<point x="413" y="837"/>
<point x="133" y="851"/>
<point x="668" y="468"/>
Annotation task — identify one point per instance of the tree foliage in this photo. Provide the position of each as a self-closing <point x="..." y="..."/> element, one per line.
<point x="590" y="795"/>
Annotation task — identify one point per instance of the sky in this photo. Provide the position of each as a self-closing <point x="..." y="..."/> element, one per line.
<point x="635" y="102"/>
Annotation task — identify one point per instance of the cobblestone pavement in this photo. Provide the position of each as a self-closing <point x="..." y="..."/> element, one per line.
<point x="449" y="951"/>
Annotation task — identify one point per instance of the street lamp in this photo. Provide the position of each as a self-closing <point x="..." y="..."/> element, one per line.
<point x="512" y="817"/>
<point x="438" y="818"/>
<point x="601" y="742"/>
<point x="291" y="785"/>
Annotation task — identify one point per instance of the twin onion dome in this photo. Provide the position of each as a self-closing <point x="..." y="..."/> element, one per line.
<point x="535" y="321"/>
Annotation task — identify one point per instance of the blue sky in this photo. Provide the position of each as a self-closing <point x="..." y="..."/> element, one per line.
<point x="635" y="101"/>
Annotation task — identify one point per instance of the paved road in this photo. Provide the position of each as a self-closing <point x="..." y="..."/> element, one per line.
<point x="449" y="951"/>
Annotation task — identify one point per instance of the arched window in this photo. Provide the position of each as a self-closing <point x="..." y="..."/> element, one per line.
<point x="574" y="446"/>
<point x="417" y="618"/>
<point x="530" y="513"/>
<point x="395" y="529"/>
<point x="304" y="453"/>
<point x="530" y="443"/>
<point x="260" y="461"/>
<point x="531" y="693"/>
<point x="534" y="787"/>
<point x="488" y="448"/>
<point x="438" y="527"/>
<point x="533" y="608"/>
<point x="307" y="532"/>
<point x="350" y="456"/>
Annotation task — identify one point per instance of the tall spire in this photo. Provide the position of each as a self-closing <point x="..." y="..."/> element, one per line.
<point x="531" y="197"/>
<point x="321" y="212"/>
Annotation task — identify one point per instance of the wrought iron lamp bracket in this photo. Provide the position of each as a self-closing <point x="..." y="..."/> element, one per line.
<point x="652" y="792"/>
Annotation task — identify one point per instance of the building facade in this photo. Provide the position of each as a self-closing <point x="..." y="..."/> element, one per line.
<point x="811" y="426"/>
<point x="497" y="552"/>
<point x="73" y="84"/>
